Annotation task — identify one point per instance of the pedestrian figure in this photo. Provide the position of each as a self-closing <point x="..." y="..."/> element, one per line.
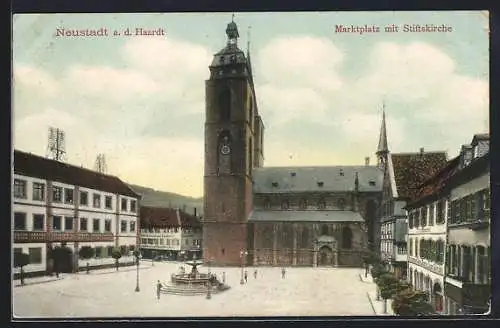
<point x="246" y="275"/>
<point x="283" y="271"/>
<point x="158" y="289"/>
<point x="255" y="274"/>
<point x="224" y="277"/>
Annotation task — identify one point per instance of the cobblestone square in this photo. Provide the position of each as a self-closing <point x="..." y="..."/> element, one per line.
<point x="107" y="293"/>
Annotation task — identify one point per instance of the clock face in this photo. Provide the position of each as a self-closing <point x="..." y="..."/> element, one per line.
<point x="225" y="150"/>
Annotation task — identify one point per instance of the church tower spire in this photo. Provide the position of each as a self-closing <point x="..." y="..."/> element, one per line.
<point x="382" y="149"/>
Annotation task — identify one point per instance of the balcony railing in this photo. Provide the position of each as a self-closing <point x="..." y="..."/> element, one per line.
<point x="434" y="267"/>
<point x="43" y="236"/>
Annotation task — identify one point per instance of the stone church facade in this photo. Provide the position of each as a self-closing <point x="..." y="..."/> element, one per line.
<point x="313" y="216"/>
<point x="286" y="216"/>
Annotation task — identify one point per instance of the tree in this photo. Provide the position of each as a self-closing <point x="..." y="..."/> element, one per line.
<point x="388" y="286"/>
<point x="62" y="256"/>
<point x="377" y="270"/>
<point x="21" y="260"/>
<point x="408" y="302"/>
<point x="369" y="258"/>
<point x="86" y="252"/>
<point x="116" y="254"/>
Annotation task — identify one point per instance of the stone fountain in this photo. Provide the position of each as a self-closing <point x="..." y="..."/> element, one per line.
<point x="193" y="282"/>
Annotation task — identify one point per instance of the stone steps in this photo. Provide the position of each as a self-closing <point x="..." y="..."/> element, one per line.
<point x="182" y="290"/>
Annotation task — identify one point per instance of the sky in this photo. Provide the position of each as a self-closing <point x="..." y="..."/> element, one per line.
<point x="140" y="99"/>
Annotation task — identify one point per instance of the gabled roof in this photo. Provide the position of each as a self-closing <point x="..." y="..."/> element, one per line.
<point x="162" y="217"/>
<point x="435" y="184"/>
<point x="158" y="217"/>
<point x="480" y="137"/>
<point x="412" y="169"/>
<point x="316" y="179"/>
<point x="40" y="167"/>
<point x="189" y="220"/>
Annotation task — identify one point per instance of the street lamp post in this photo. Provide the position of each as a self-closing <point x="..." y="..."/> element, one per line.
<point x="137" y="261"/>
<point x="209" y="283"/>
<point x="243" y="254"/>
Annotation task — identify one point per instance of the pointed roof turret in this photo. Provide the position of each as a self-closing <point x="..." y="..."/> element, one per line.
<point x="249" y="62"/>
<point x="382" y="141"/>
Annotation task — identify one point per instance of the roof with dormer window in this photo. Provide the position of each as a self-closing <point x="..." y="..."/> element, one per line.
<point x="317" y="179"/>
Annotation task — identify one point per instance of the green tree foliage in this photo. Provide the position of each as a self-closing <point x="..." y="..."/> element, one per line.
<point x="370" y="257"/>
<point x="86" y="252"/>
<point x="377" y="270"/>
<point x="408" y="302"/>
<point x="388" y="286"/>
<point x="62" y="256"/>
<point x="20" y="261"/>
<point x="116" y="254"/>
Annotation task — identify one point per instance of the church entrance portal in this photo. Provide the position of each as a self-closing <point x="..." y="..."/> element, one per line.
<point x="325" y="256"/>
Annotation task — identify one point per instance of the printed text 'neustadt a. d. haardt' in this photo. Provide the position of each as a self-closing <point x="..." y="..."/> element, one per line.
<point x="105" y="32"/>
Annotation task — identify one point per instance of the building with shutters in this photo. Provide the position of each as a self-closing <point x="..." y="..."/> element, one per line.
<point x="467" y="285"/>
<point x="56" y="203"/>
<point x="427" y="235"/>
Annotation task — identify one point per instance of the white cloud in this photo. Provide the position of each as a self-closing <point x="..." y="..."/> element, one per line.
<point x="34" y="79"/>
<point x="117" y="84"/>
<point x="106" y="109"/>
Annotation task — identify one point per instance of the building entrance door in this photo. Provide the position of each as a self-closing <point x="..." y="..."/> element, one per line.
<point x="325" y="256"/>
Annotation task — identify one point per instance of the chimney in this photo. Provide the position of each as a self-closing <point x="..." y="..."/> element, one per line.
<point x="195" y="211"/>
<point x="367" y="161"/>
<point x="422" y="151"/>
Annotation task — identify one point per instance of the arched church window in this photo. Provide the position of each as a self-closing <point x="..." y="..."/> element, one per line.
<point x="304" y="240"/>
<point x="268" y="236"/>
<point x="324" y="229"/>
<point x="285" y="205"/>
<point x="303" y="204"/>
<point x="287" y="236"/>
<point x="225" y="104"/>
<point x="346" y="238"/>
<point x="321" y="204"/>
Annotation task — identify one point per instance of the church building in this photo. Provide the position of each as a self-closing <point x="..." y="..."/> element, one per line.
<point x="283" y="216"/>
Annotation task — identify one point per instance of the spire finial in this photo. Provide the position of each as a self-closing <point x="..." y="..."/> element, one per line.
<point x="232" y="18"/>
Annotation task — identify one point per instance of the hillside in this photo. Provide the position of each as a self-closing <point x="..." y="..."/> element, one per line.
<point x="156" y="198"/>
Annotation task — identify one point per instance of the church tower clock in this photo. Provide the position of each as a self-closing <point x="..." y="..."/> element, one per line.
<point x="230" y="152"/>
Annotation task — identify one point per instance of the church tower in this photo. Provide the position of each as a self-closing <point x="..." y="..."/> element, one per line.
<point x="232" y="128"/>
<point x="382" y="149"/>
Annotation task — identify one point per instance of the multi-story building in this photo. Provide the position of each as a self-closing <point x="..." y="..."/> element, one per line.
<point x="468" y="255"/>
<point x="403" y="173"/>
<point x="427" y="223"/>
<point x="170" y="233"/>
<point x="56" y="203"/>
